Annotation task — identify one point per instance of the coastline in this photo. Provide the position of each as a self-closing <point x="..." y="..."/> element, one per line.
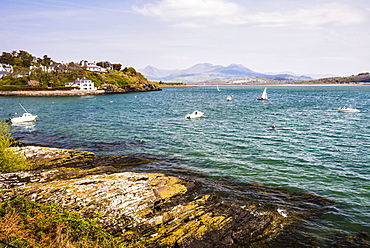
<point x="112" y="146"/>
<point x="53" y="93"/>
<point x="107" y="90"/>
<point x="104" y="92"/>
<point x="271" y="85"/>
<point x="176" y="208"/>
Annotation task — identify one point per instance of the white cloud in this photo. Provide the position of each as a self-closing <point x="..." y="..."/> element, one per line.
<point x="190" y="12"/>
<point x="331" y="13"/>
<point x="177" y="9"/>
<point x="196" y="13"/>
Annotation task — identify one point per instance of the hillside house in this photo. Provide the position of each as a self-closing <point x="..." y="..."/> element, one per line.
<point x="92" y="66"/>
<point x="41" y="68"/>
<point x="5" y="69"/>
<point x="83" y="84"/>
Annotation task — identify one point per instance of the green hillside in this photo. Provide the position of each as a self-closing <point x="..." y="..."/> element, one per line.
<point x="31" y="73"/>
<point x="362" y="78"/>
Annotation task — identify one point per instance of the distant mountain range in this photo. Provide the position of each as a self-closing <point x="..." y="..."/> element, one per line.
<point x="209" y="72"/>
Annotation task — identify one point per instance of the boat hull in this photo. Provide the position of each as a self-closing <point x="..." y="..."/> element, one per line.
<point x="24" y="118"/>
<point x="348" y="110"/>
<point x="20" y="119"/>
<point x="195" y="115"/>
<point x="262" y="99"/>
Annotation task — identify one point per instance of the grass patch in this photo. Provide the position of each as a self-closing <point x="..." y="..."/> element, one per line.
<point x="10" y="161"/>
<point x="27" y="224"/>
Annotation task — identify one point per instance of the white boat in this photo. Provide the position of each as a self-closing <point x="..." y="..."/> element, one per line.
<point x="229" y="98"/>
<point x="218" y="89"/>
<point x="348" y="110"/>
<point x="26" y="117"/>
<point x="194" y="115"/>
<point x="263" y="96"/>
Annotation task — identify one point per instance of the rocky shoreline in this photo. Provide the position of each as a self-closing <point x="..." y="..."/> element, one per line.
<point x="132" y="196"/>
<point x="103" y="90"/>
<point x="53" y="93"/>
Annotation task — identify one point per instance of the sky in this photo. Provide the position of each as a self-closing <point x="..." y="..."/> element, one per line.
<point x="305" y="37"/>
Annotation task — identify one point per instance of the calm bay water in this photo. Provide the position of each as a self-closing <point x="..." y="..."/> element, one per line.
<point x="313" y="149"/>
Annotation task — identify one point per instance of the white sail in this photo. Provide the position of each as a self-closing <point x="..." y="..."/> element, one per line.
<point x="264" y="94"/>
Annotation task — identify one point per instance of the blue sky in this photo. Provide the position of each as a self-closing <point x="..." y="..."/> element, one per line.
<point x="304" y="37"/>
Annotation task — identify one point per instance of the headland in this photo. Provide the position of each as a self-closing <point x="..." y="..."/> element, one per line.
<point x="151" y="207"/>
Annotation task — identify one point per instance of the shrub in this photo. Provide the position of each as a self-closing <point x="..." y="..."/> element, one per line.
<point x="11" y="87"/>
<point x="9" y="161"/>
<point x="25" y="223"/>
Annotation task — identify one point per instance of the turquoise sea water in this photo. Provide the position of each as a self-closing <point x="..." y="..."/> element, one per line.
<point x="313" y="149"/>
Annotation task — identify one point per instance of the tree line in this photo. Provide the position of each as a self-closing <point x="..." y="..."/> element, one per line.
<point x="23" y="78"/>
<point x="24" y="59"/>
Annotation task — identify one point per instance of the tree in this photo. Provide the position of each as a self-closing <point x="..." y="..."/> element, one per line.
<point x="46" y="61"/>
<point x="130" y="71"/>
<point x="26" y="58"/>
<point x="117" y="67"/>
<point x="7" y="58"/>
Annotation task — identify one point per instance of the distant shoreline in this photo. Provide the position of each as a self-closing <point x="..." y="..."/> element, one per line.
<point x="103" y="92"/>
<point x="65" y="93"/>
<point x="269" y="85"/>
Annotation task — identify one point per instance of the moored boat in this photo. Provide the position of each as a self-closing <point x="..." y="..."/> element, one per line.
<point x="348" y="110"/>
<point x="26" y="117"/>
<point x="194" y="115"/>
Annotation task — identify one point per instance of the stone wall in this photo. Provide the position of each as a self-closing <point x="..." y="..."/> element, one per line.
<point x="53" y="93"/>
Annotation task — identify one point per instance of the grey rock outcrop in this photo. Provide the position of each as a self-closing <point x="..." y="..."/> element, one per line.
<point x="164" y="210"/>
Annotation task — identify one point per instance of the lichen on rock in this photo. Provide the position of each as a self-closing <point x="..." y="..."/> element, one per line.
<point x="164" y="210"/>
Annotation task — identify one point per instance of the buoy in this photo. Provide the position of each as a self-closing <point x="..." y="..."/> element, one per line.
<point x="273" y="126"/>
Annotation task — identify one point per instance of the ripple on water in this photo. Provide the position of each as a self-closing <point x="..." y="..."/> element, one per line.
<point x="313" y="148"/>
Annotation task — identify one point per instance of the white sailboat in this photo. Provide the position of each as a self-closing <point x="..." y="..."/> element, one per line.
<point x="218" y="89"/>
<point x="263" y="96"/>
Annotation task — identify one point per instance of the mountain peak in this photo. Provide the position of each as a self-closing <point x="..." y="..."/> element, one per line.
<point x="206" y="72"/>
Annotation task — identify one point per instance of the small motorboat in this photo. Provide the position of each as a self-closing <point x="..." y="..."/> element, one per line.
<point x="229" y="98"/>
<point x="348" y="110"/>
<point x="26" y="117"/>
<point x="194" y="115"/>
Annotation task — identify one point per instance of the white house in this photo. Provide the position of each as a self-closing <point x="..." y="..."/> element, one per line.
<point x="91" y="66"/>
<point x="5" y="69"/>
<point x="83" y="84"/>
<point x="42" y="68"/>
